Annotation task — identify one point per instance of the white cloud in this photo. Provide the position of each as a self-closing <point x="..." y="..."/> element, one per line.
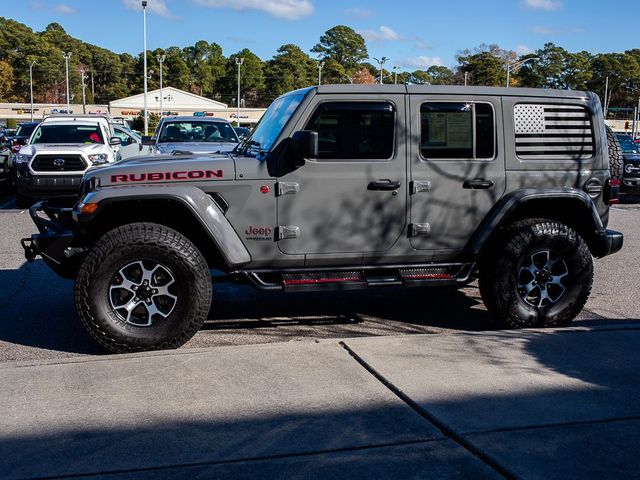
<point x="159" y="7"/>
<point x="523" y="50"/>
<point x="287" y="9"/>
<point x="358" y="12"/>
<point x="62" y="8"/>
<point x="423" y="61"/>
<point x="383" y="34"/>
<point x="542" y="4"/>
<point x="543" y="30"/>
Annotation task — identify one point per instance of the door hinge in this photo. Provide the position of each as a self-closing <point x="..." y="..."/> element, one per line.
<point x="417" y="187"/>
<point x="419" y="229"/>
<point x="287" y="188"/>
<point x="288" y="231"/>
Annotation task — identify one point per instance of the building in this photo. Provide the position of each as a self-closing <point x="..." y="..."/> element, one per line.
<point x="179" y="102"/>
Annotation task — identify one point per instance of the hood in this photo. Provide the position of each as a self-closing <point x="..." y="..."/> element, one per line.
<point x="631" y="157"/>
<point x="195" y="147"/>
<point x="154" y="169"/>
<point x="88" y="148"/>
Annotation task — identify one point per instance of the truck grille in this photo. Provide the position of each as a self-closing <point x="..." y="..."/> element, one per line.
<point x="553" y="131"/>
<point x="58" y="163"/>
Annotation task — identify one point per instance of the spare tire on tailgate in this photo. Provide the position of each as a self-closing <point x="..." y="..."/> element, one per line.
<point x="616" y="163"/>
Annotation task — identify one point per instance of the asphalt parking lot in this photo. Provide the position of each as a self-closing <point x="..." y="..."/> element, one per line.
<point x="37" y="318"/>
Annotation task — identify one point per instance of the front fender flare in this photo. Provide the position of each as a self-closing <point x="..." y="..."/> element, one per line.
<point x="197" y="202"/>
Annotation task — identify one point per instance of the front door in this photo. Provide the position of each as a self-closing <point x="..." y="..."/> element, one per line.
<point x="457" y="168"/>
<point x="352" y="198"/>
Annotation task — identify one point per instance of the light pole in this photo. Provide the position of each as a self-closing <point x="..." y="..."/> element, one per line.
<point x="320" y="67"/>
<point x="239" y="62"/>
<point x="144" y="42"/>
<point x="84" y="98"/>
<point x="31" y="85"/>
<point x="395" y="74"/>
<point x="160" y="61"/>
<point x="466" y="75"/>
<point x="515" y="65"/>
<point x="67" y="56"/>
<point x="382" y="61"/>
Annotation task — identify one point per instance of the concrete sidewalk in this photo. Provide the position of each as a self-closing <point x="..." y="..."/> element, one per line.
<point x="530" y="404"/>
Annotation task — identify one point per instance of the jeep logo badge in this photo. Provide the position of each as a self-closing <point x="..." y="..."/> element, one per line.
<point x="58" y="162"/>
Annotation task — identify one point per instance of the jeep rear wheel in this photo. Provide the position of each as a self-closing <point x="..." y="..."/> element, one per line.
<point x="143" y="286"/>
<point x="539" y="274"/>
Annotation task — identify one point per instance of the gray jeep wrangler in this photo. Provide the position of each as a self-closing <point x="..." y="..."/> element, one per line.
<point x="346" y="186"/>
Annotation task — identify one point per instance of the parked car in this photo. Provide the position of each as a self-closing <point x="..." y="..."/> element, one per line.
<point x="60" y="150"/>
<point x="182" y="135"/>
<point x="131" y="141"/>
<point x="631" y="156"/>
<point x="242" y="132"/>
<point x="346" y="187"/>
<point x="14" y="140"/>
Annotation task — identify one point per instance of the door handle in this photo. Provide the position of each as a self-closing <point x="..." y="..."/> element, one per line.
<point x="384" y="184"/>
<point x="477" y="184"/>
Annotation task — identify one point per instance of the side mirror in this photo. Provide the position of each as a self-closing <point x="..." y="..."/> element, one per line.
<point x="147" y="140"/>
<point x="304" y="144"/>
<point x="113" y="141"/>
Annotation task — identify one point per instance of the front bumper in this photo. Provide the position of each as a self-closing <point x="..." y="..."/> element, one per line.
<point x="607" y="242"/>
<point x="46" y="186"/>
<point x="55" y="242"/>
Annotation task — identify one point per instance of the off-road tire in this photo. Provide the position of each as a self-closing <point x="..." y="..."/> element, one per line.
<point x="142" y="242"/>
<point x="515" y="244"/>
<point x="616" y="162"/>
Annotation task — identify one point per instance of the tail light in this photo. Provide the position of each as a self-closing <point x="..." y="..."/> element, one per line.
<point x="612" y="191"/>
<point x="15" y="146"/>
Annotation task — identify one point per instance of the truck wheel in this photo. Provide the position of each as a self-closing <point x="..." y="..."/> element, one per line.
<point x="143" y="286"/>
<point x="539" y="274"/>
<point x="616" y="162"/>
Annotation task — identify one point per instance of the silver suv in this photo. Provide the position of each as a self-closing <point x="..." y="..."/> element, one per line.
<point x="344" y="187"/>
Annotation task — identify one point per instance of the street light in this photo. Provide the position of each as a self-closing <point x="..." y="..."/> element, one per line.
<point x="239" y="62"/>
<point x="320" y="67"/>
<point x="67" y="56"/>
<point x="84" y="98"/>
<point x="381" y="62"/>
<point x="395" y="76"/>
<point x="515" y="65"/>
<point x="160" y="61"/>
<point x="31" y="85"/>
<point x="144" y="42"/>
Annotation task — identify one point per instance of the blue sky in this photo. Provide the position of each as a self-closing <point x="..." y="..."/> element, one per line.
<point x="413" y="34"/>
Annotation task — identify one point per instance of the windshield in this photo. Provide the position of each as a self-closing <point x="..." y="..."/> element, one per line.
<point x="25" y="130"/>
<point x="627" y="144"/>
<point x="272" y="122"/>
<point x="57" y="133"/>
<point x="197" y="131"/>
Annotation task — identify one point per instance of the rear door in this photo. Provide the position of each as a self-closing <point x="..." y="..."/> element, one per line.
<point x="352" y="199"/>
<point x="457" y="169"/>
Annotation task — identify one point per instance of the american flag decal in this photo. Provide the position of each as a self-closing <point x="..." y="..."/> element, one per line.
<point x="547" y="131"/>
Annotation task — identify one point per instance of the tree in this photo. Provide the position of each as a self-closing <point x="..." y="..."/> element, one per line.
<point x="545" y="71"/>
<point x="343" y="45"/>
<point x="484" y="68"/>
<point x="440" y="75"/>
<point x="6" y="81"/>
<point x="252" y="79"/>
<point x="363" y="76"/>
<point x="288" y="70"/>
<point x="420" y="77"/>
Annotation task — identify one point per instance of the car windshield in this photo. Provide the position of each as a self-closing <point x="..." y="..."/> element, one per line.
<point x="25" y="130"/>
<point x="61" y="133"/>
<point x="627" y="144"/>
<point x="197" y="131"/>
<point x="272" y="122"/>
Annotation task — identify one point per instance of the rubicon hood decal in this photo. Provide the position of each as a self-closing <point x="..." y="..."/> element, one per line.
<point x="164" y="176"/>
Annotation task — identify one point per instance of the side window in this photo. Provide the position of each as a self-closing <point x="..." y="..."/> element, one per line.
<point x="354" y="131"/>
<point x="552" y="131"/>
<point x="457" y="130"/>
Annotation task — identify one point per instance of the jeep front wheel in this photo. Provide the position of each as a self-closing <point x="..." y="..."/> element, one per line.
<point x="143" y="286"/>
<point x="539" y="274"/>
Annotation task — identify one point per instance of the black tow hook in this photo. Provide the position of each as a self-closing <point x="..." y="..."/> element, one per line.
<point x="30" y="250"/>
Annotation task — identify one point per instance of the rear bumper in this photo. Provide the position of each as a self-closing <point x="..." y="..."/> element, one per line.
<point x="607" y="243"/>
<point x="55" y="240"/>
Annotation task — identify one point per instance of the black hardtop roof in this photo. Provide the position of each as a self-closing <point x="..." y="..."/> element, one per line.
<point x="446" y="89"/>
